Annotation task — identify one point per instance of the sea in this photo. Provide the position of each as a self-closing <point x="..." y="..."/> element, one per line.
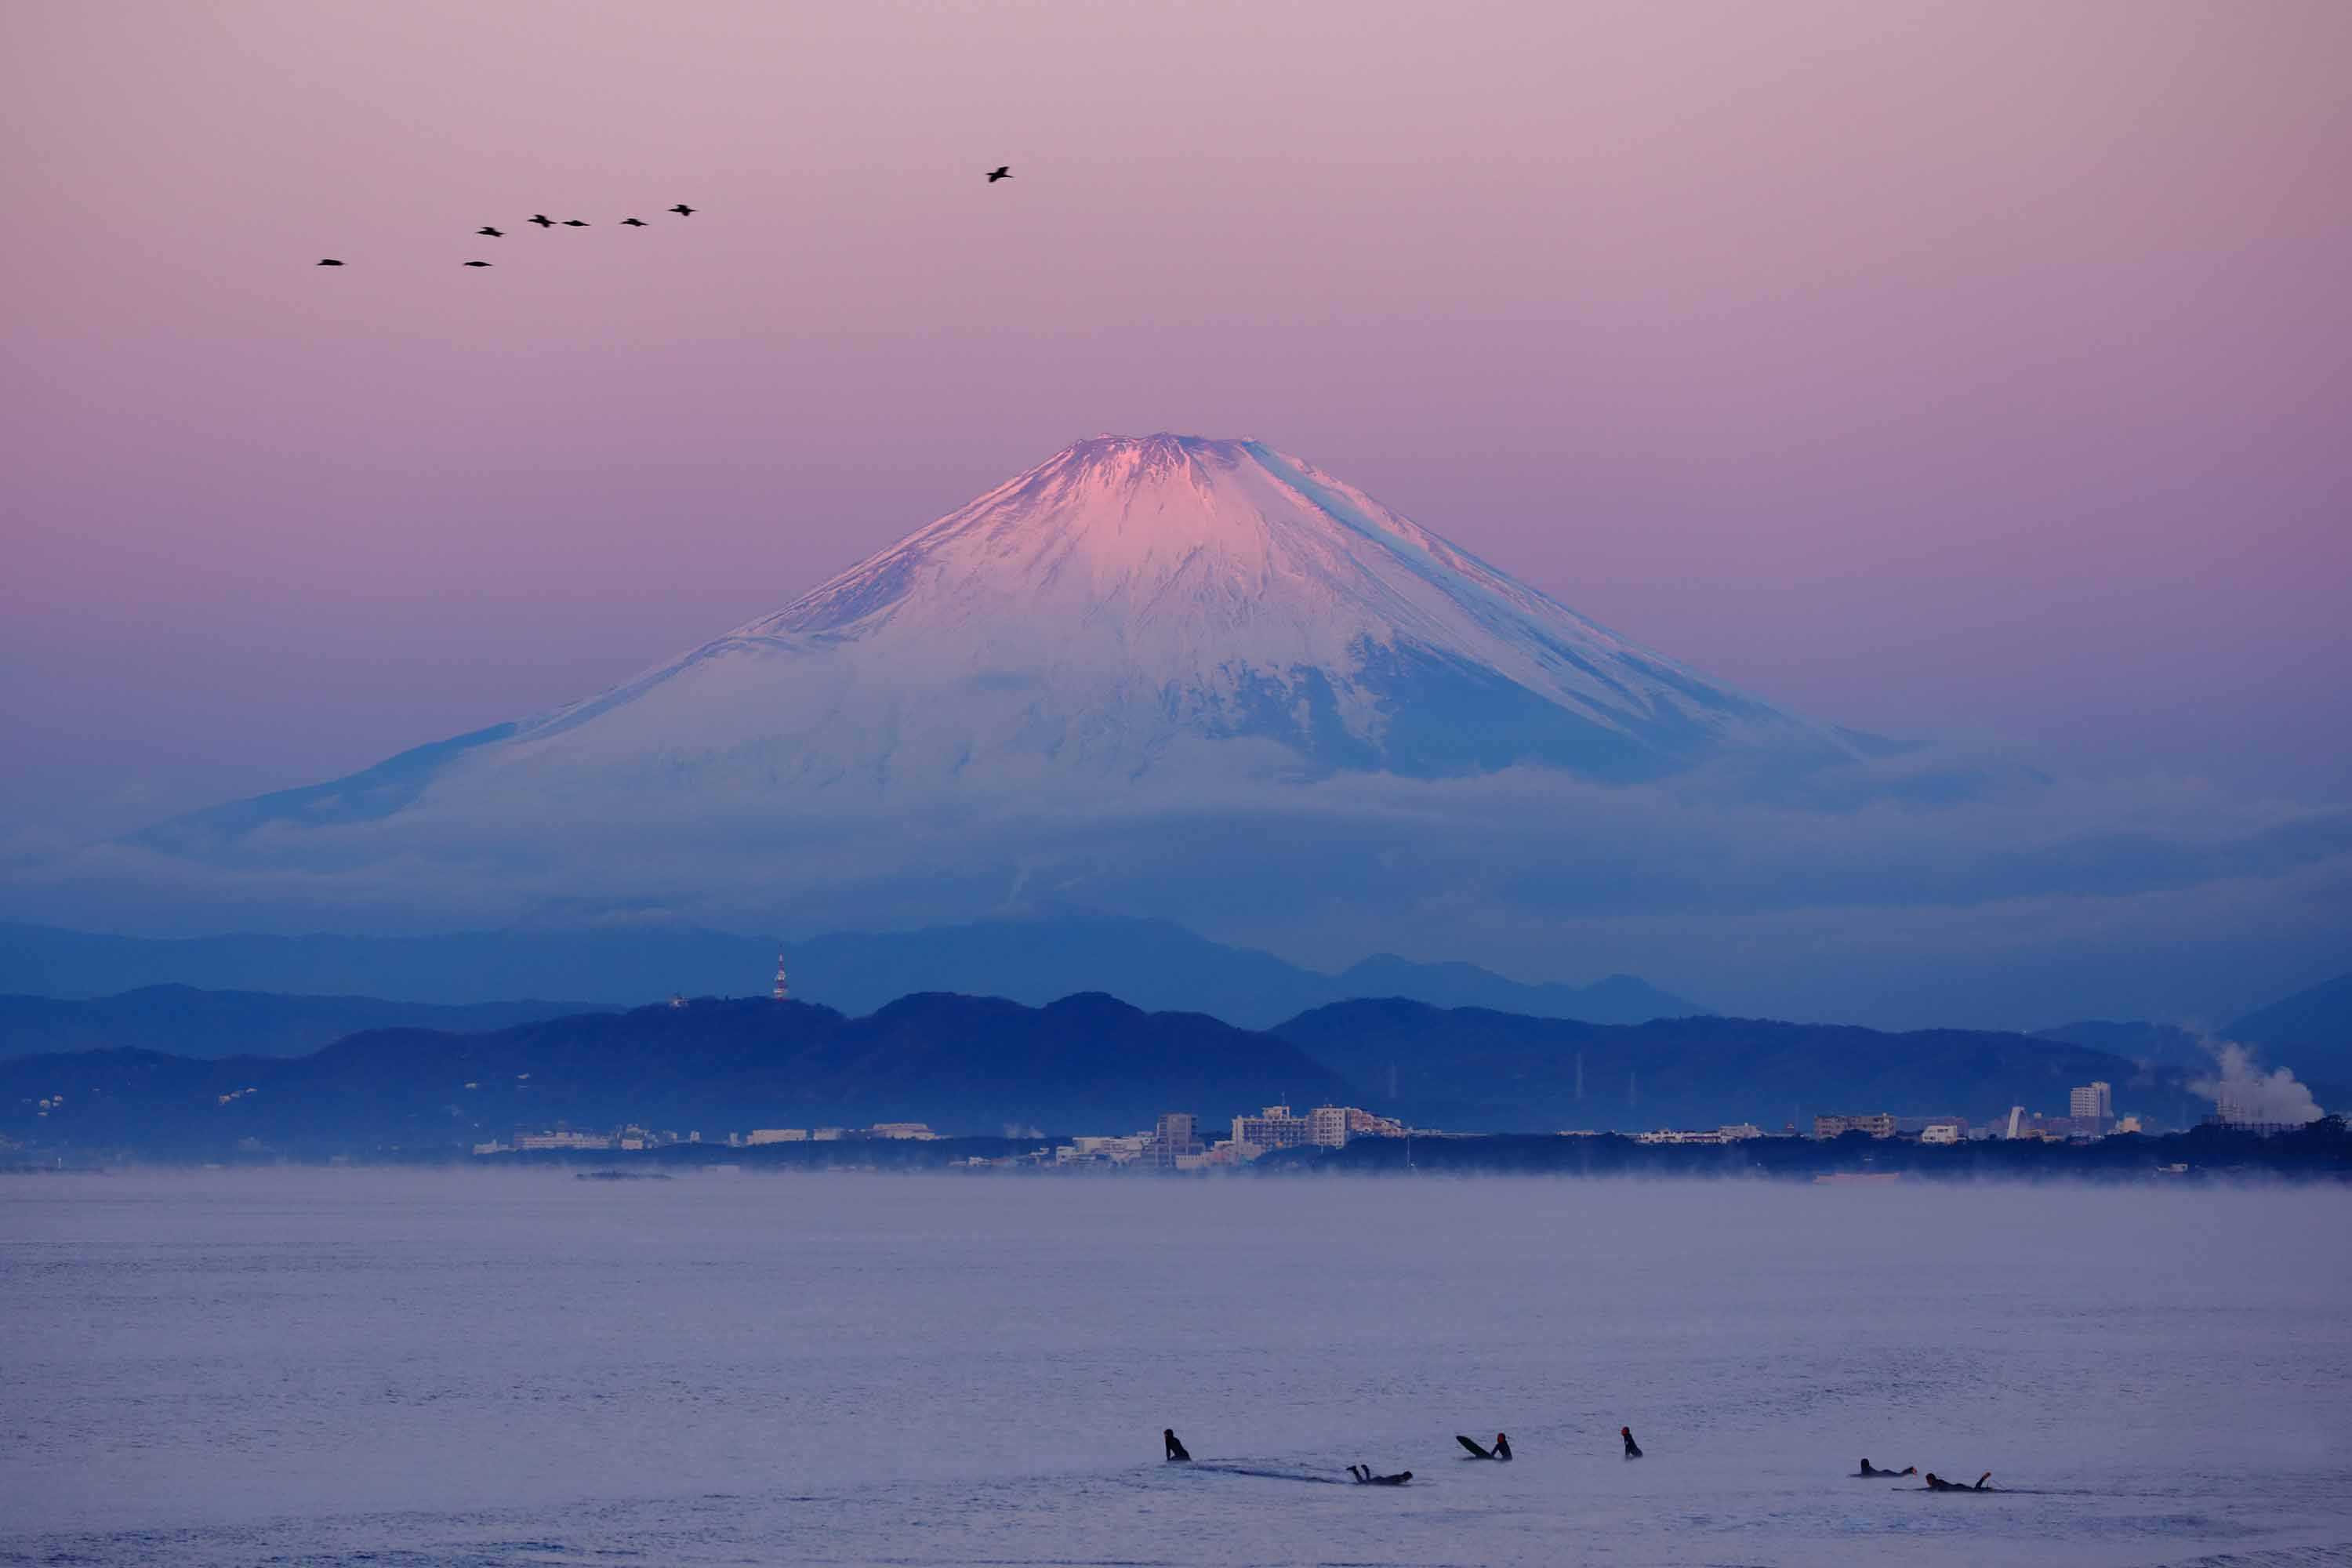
<point x="363" y="1367"/>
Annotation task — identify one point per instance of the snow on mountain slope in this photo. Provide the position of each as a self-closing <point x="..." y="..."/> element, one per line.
<point x="1125" y="601"/>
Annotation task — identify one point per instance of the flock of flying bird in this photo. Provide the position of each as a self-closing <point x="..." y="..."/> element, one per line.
<point x="1002" y="171"/>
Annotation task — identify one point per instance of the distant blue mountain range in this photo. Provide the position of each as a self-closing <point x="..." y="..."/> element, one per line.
<point x="1154" y="965"/>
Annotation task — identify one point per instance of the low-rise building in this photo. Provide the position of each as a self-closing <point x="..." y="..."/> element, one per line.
<point x="919" y="1131"/>
<point x="1881" y="1125"/>
<point x="778" y="1135"/>
<point x="561" y="1138"/>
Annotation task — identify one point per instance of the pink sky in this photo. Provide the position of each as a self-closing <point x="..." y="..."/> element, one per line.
<point x="1974" y="371"/>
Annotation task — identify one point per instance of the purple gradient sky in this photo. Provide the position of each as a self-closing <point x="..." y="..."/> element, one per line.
<point x="1969" y="371"/>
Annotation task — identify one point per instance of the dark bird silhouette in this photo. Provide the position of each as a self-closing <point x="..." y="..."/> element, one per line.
<point x="331" y="262"/>
<point x="633" y="223"/>
<point x="493" y="233"/>
<point x="1002" y="171"/>
<point x="542" y="220"/>
<point x="1176" y="1450"/>
<point x="573" y="223"/>
<point x="473" y="264"/>
<point x="682" y="210"/>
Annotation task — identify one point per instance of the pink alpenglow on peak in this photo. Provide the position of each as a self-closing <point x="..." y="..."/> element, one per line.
<point x="1127" y="604"/>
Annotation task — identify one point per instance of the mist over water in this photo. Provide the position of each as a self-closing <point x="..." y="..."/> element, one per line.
<point x="311" y="1366"/>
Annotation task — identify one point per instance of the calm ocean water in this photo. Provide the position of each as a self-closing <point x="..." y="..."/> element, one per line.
<point x="352" y="1366"/>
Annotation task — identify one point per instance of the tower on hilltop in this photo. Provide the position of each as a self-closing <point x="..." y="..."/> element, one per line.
<point x="782" y="992"/>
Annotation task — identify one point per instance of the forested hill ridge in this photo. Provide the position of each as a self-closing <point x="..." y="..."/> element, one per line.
<point x="1087" y="1064"/>
<point x="960" y="1063"/>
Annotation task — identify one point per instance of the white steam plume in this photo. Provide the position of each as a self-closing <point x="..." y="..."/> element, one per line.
<point x="2243" y="1091"/>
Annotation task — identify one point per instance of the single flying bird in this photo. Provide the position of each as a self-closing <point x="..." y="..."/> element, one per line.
<point x="330" y="261"/>
<point x="574" y="222"/>
<point x="473" y="264"/>
<point x="493" y="233"/>
<point x="1002" y="171"/>
<point x="682" y="210"/>
<point x="542" y="220"/>
<point x="633" y="223"/>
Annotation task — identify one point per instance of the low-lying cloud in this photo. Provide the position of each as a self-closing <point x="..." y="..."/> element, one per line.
<point x="2035" y="905"/>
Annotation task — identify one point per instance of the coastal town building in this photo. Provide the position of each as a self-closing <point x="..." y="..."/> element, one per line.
<point x="1881" y="1125"/>
<point x="562" y="1138"/>
<point x="2093" y="1108"/>
<point x="1271" y="1128"/>
<point x="1736" y="1133"/>
<point x="1173" y="1146"/>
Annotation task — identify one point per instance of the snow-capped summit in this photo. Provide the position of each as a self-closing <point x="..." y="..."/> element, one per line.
<point x="1128" y="601"/>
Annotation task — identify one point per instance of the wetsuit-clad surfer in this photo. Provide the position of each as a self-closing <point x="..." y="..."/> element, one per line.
<point x="1501" y="1450"/>
<point x="1874" y="1474"/>
<point x="1937" y="1484"/>
<point x="1364" y="1476"/>
<point x="1175" y="1449"/>
<point x="1633" y="1450"/>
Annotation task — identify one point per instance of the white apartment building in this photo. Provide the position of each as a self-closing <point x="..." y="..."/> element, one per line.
<point x="1273" y="1128"/>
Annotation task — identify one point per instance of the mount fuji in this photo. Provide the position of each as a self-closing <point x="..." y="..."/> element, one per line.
<point x="1129" y="611"/>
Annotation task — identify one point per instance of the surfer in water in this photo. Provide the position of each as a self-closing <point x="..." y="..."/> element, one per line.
<point x="1501" y="1450"/>
<point x="1937" y="1484"/>
<point x="1175" y="1449"/>
<point x="1364" y="1476"/>
<point x="1633" y="1450"/>
<point x="1874" y="1474"/>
